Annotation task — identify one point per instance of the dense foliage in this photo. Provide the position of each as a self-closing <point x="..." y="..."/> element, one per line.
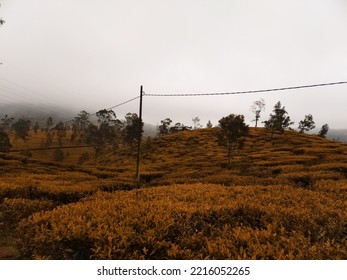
<point x="193" y="222"/>
<point x="283" y="197"/>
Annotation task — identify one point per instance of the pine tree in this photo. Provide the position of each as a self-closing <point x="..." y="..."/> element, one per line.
<point x="279" y="121"/>
<point x="324" y="131"/>
<point x="306" y="124"/>
<point x="209" y="124"/>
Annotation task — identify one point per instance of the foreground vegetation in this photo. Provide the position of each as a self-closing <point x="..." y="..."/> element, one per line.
<point x="197" y="221"/>
<point x="283" y="196"/>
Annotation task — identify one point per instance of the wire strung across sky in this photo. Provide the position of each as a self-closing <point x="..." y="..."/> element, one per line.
<point x="226" y="93"/>
<point x="118" y="105"/>
<point x="210" y="94"/>
<point x="23" y="94"/>
<point x="247" y="92"/>
<point x="222" y="93"/>
<point x="125" y="102"/>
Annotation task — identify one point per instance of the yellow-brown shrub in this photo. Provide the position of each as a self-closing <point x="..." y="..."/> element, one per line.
<point x="194" y="222"/>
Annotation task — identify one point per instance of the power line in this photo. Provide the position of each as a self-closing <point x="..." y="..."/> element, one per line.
<point x="125" y="102"/>
<point x="20" y="94"/>
<point x="24" y="95"/>
<point x="29" y="73"/>
<point x="50" y="148"/>
<point x="33" y="100"/>
<point x="39" y="78"/>
<point x="118" y="105"/>
<point x="248" y="91"/>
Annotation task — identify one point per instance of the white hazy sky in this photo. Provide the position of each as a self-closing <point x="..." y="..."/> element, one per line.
<point x="84" y="54"/>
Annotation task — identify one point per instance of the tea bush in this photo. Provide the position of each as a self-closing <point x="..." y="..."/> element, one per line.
<point x="191" y="222"/>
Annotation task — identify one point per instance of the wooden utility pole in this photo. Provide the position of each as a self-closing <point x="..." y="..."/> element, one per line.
<point x="139" y="136"/>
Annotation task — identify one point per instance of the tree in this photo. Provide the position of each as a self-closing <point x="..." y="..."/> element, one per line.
<point x="109" y="129"/>
<point x="209" y="124"/>
<point x="324" y="131"/>
<point x="49" y="123"/>
<point x="109" y="125"/>
<point x="196" y="122"/>
<point x="49" y="139"/>
<point x="106" y="116"/>
<point x="81" y="122"/>
<point x="279" y="121"/>
<point x="95" y="138"/>
<point x="36" y="127"/>
<point x="131" y="129"/>
<point x="306" y="124"/>
<point x="165" y="126"/>
<point x="61" y="131"/>
<point x="100" y="136"/>
<point x="22" y="128"/>
<point x="5" y="144"/>
<point x="232" y="133"/>
<point x="6" y="123"/>
<point x="257" y="107"/>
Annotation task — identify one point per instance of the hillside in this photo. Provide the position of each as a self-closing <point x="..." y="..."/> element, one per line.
<point x="195" y="156"/>
<point x="283" y="198"/>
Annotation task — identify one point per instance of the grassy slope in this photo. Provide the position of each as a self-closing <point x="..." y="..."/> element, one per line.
<point x="299" y="165"/>
<point x="195" y="156"/>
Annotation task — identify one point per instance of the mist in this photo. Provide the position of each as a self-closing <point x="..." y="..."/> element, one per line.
<point x="86" y="55"/>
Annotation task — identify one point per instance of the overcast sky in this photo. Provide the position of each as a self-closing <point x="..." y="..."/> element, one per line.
<point x="90" y="55"/>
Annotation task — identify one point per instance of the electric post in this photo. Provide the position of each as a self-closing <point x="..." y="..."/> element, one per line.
<point x="139" y="139"/>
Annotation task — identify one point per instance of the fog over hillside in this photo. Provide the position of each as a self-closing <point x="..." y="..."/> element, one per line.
<point x="38" y="113"/>
<point x="53" y="53"/>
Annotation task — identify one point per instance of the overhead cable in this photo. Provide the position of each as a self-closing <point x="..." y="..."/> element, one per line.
<point x="246" y="92"/>
<point x="118" y="105"/>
